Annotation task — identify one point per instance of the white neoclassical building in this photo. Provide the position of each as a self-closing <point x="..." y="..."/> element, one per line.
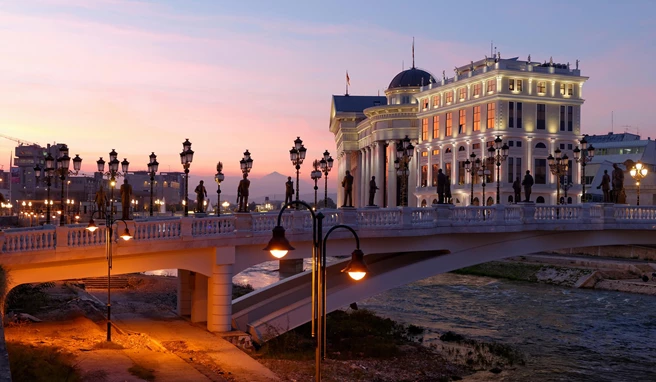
<point x="535" y="108"/>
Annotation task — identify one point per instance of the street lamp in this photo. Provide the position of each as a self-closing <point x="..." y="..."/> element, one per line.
<point x="297" y="156"/>
<point x="135" y="206"/>
<point x="112" y="174"/>
<point x="483" y="172"/>
<point x="153" y="166"/>
<point x="357" y="269"/>
<point x="583" y="156"/>
<point x="69" y="204"/>
<point x="186" y="156"/>
<point x="109" y="237"/>
<point x="326" y="164"/>
<point x="226" y="205"/>
<point x="558" y="166"/>
<point x="48" y="172"/>
<point x="498" y="153"/>
<point x="404" y="152"/>
<point x="638" y="172"/>
<point x="218" y="178"/>
<point x="63" y="163"/>
<point x="566" y="185"/>
<point x="246" y="164"/>
<point x="472" y="168"/>
<point x="316" y="175"/>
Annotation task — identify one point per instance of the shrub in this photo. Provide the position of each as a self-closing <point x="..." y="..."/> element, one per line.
<point x="28" y="298"/>
<point x="44" y="363"/>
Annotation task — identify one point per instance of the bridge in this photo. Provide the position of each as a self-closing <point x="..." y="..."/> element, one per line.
<point x="401" y="245"/>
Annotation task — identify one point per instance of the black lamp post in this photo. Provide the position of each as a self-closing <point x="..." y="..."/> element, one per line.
<point x="48" y="172"/>
<point x="315" y="175"/>
<point x="326" y="164"/>
<point x="153" y="166"/>
<point x="558" y="166"/>
<point x="218" y="178"/>
<point x="357" y="269"/>
<point x="638" y="172"/>
<point x="483" y="173"/>
<point x="404" y="152"/>
<point x="583" y="156"/>
<point x="112" y="174"/>
<point x="498" y="153"/>
<point x="186" y="157"/>
<point x="109" y="237"/>
<point x="472" y="168"/>
<point x="565" y="186"/>
<point x="297" y="156"/>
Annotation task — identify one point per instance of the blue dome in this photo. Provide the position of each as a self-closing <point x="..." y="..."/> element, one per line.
<point x="411" y="77"/>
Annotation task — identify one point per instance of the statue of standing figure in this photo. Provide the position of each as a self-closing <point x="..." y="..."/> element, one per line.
<point x="289" y="190"/>
<point x="242" y="194"/>
<point x="618" y="194"/>
<point x="126" y="198"/>
<point x="372" y="190"/>
<point x="347" y="183"/>
<point x="101" y="202"/>
<point x="201" y="194"/>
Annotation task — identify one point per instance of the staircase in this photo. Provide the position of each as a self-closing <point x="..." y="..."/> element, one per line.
<point x="117" y="282"/>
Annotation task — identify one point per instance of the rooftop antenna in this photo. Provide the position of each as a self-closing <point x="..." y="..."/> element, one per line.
<point x="413" y="52"/>
<point x="491" y="44"/>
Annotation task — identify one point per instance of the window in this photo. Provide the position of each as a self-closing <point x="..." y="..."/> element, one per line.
<point x="541" y="117"/>
<point x="540" y="145"/>
<point x="448" y="150"/>
<point x="567" y="89"/>
<point x="514" y="169"/>
<point x="569" y="146"/>
<point x="462" y="94"/>
<point x="424" y="129"/>
<point x="461" y="121"/>
<point x="515" y="85"/>
<point x="542" y="87"/>
<point x="436" y="101"/>
<point x="449" y="124"/>
<point x="491" y="86"/>
<point x="436" y="152"/>
<point x="461" y="172"/>
<point x="477" y="118"/>
<point x="424" y="176"/>
<point x="434" y="175"/>
<point x="519" y="115"/>
<point x="424" y="153"/>
<point x="562" y="146"/>
<point x="511" y="114"/>
<point x="461" y="148"/>
<point x="519" y="143"/>
<point x="476" y="146"/>
<point x="436" y="126"/>
<point x="540" y="170"/>
<point x="447" y="170"/>
<point x="491" y="114"/>
<point x="449" y="96"/>
<point x="476" y="90"/>
<point x="562" y="118"/>
<point x="424" y="103"/>
<point x="570" y="117"/>
<point x="511" y="143"/>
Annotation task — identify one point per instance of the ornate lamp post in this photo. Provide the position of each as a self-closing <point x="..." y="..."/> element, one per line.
<point x="357" y="269"/>
<point x="472" y="168"/>
<point x="558" y="166"/>
<point x="404" y="152"/>
<point x="246" y="164"/>
<point x="297" y="156"/>
<point x="483" y="172"/>
<point x="112" y="174"/>
<point x="498" y="153"/>
<point x="218" y="178"/>
<point x="48" y="172"/>
<point x="315" y="175"/>
<point x="638" y="172"/>
<point x="326" y="164"/>
<point x="153" y="166"/>
<point x="566" y="185"/>
<point x="583" y="156"/>
<point x="63" y="163"/>
<point x="186" y="157"/>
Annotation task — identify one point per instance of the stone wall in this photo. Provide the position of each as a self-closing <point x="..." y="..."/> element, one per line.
<point x="621" y="251"/>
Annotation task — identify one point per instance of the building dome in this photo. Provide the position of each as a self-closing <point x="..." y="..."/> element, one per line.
<point x="411" y="77"/>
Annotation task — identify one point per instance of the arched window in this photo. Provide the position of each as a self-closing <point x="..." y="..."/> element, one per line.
<point x="569" y="200"/>
<point x="423" y="203"/>
<point x="539" y="200"/>
<point x="434" y="201"/>
<point x="540" y="145"/>
<point x="461" y="148"/>
<point x="448" y="150"/>
<point x="476" y="202"/>
<point x="510" y="198"/>
<point x="490" y="201"/>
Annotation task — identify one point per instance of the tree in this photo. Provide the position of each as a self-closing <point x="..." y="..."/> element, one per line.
<point x="331" y="203"/>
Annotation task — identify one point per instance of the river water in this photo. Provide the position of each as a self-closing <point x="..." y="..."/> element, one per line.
<point x="565" y="334"/>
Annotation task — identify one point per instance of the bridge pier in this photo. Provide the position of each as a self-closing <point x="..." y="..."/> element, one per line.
<point x="219" y="299"/>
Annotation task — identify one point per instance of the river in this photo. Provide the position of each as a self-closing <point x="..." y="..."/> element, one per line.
<point x="565" y="334"/>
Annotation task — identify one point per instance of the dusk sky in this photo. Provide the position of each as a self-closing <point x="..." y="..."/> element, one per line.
<point x="141" y="76"/>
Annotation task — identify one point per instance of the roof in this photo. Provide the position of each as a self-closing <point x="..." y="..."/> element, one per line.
<point x="356" y="104"/>
<point x="411" y="77"/>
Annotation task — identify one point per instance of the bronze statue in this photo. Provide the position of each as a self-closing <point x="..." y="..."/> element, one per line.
<point x="618" y="185"/>
<point x="347" y="183"/>
<point x="605" y="186"/>
<point x="101" y="202"/>
<point x="126" y="196"/>
<point x="528" y="185"/>
<point x="372" y="190"/>
<point x="441" y="186"/>
<point x="242" y="194"/>
<point x="201" y="194"/>
<point x="517" y="189"/>
<point x="289" y="190"/>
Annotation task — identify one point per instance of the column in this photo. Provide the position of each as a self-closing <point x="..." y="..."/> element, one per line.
<point x="199" y="302"/>
<point x="529" y="156"/>
<point x="358" y="195"/>
<point x="429" y="163"/>
<point x="339" y="174"/>
<point x="412" y="179"/>
<point x="184" y="293"/>
<point x="379" y="150"/>
<point x="391" y="174"/>
<point x="219" y="312"/>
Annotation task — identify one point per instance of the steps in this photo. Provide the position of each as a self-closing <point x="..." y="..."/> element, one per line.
<point x="117" y="282"/>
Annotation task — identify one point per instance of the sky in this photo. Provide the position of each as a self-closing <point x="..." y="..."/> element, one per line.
<point x="141" y="76"/>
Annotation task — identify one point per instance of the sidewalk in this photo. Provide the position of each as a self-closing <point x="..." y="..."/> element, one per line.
<point x="191" y="339"/>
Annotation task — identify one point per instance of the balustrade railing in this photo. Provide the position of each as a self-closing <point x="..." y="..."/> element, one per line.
<point x="79" y="236"/>
<point x="423" y="217"/>
<point x="635" y="213"/>
<point x="379" y="218"/>
<point x="213" y="226"/>
<point x="29" y="240"/>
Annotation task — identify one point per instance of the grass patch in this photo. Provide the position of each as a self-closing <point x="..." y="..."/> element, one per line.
<point x="142" y="372"/>
<point x="350" y="335"/>
<point x="505" y="270"/>
<point x="239" y="290"/>
<point x="481" y="350"/>
<point x="42" y="363"/>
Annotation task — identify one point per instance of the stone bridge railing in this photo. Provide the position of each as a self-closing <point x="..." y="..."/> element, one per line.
<point x="366" y="220"/>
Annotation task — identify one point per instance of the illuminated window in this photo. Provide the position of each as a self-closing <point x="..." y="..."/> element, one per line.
<point x="449" y="125"/>
<point x="424" y="129"/>
<point x="448" y="96"/>
<point x="436" y="152"/>
<point x="491" y="86"/>
<point x="461" y="121"/>
<point x="436" y="126"/>
<point x="476" y="90"/>
<point x="424" y="153"/>
<point x="562" y="89"/>
<point x="491" y="114"/>
<point x="542" y="87"/>
<point x="477" y="118"/>
<point x="541" y="117"/>
<point x="515" y="85"/>
<point x="424" y="176"/>
<point x="462" y="93"/>
<point x="424" y="103"/>
<point x="476" y="146"/>
<point x="436" y="101"/>
<point x="570" y="89"/>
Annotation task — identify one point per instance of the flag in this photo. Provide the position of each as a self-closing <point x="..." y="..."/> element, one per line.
<point x="348" y="79"/>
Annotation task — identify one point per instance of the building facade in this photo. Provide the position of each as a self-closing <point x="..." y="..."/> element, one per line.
<point x="535" y="108"/>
